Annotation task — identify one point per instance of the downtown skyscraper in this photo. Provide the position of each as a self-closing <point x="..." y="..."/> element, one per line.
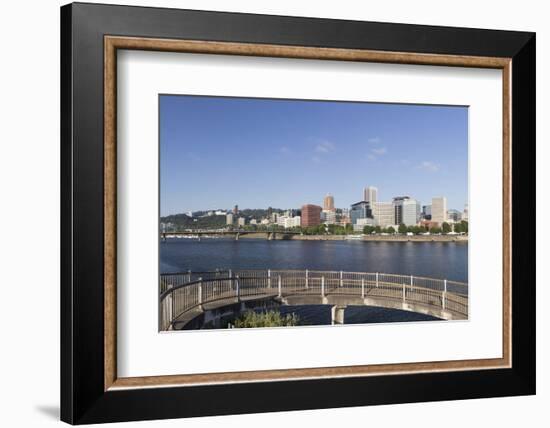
<point x="370" y="194"/>
<point x="328" y="203"/>
<point x="439" y="209"/>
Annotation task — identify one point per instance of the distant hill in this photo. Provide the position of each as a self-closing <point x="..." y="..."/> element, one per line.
<point x="183" y="221"/>
<point x="201" y="220"/>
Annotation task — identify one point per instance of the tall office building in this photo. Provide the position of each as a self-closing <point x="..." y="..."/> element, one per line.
<point x="465" y="213"/>
<point x="384" y="214"/>
<point x="229" y="219"/>
<point x="439" y="209"/>
<point x="328" y="216"/>
<point x="360" y="210"/>
<point x="343" y="218"/>
<point x="454" y="215"/>
<point x="370" y="194"/>
<point x="427" y="212"/>
<point x="236" y="209"/>
<point x="311" y="215"/>
<point x="406" y="210"/>
<point x="328" y="203"/>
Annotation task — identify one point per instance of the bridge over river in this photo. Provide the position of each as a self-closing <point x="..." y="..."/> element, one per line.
<point x="186" y="296"/>
<point x="197" y="233"/>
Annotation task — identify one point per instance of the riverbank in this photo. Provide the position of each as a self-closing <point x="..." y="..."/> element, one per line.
<point x="370" y="238"/>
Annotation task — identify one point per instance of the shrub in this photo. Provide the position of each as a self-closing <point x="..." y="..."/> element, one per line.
<point x="251" y="319"/>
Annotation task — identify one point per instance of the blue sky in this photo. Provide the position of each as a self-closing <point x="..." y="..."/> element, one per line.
<point x="217" y="152"/>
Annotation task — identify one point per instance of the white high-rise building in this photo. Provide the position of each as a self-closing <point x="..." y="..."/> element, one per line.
<point x="229" y="219"/>
<point x="384" y="214"/>
<point x="439" y="209"/>
<point x="295" y="221"/>
<point x="370" y="194"/>
<point x="241" y="221"/>
<point x="406" y="210"/>
<point x="288" y="222"/>
<point x="465" y="213"/>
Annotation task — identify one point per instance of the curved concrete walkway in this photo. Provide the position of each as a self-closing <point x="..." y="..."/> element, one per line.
<point x="181" y="304"/>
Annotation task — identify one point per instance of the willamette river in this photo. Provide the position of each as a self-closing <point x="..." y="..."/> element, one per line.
<point x="432" y="259"/>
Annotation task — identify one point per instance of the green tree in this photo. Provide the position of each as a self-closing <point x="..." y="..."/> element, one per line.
<point x="311" y="230"/>
<point x="368" y="229"/>
<point x="435" y="230"/>
<point x="378" y="229"/>
<point x="415" y="229"/>
<point x="446" y="227"/>
<point x="402" y="228"/>
<point x="464" y="224"/>
<point x="390" y="230"/>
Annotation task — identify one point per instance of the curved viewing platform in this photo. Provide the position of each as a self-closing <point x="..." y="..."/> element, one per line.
<point x="184" y="297"/>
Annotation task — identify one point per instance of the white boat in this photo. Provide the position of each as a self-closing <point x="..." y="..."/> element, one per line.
<point x="354" y="237"/>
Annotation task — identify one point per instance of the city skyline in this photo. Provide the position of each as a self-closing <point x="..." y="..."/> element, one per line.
<point x="235" y="210"/>
<point x="218" y="152"/>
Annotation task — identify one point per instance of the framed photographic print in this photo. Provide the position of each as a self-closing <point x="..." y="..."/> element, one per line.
<point x="266" y="213"/>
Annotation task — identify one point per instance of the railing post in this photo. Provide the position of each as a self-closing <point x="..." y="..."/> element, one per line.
<point x="269" y="278"/>
<point x="307" y="278"/>
<point x="376" y="279"/>
<point x="362" y="288"/>
<point x="172" y="307"/>
<point x="444" y="297"/>
<point x="280" y="287"/>
<point x="341" y="279"/>
<point x="189" y="275"/>
<point x="322" y="286"/>
<point x="404" y="291"/>
<point x="411" y="282"/>
<point x="237" y="287"/>
<point x="200" y="292"/>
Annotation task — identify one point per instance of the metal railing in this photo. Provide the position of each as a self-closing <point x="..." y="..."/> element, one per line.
<point x="186" y="291"/>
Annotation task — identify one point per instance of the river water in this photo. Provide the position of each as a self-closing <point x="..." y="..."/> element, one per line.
<point x="444" y="260"/>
